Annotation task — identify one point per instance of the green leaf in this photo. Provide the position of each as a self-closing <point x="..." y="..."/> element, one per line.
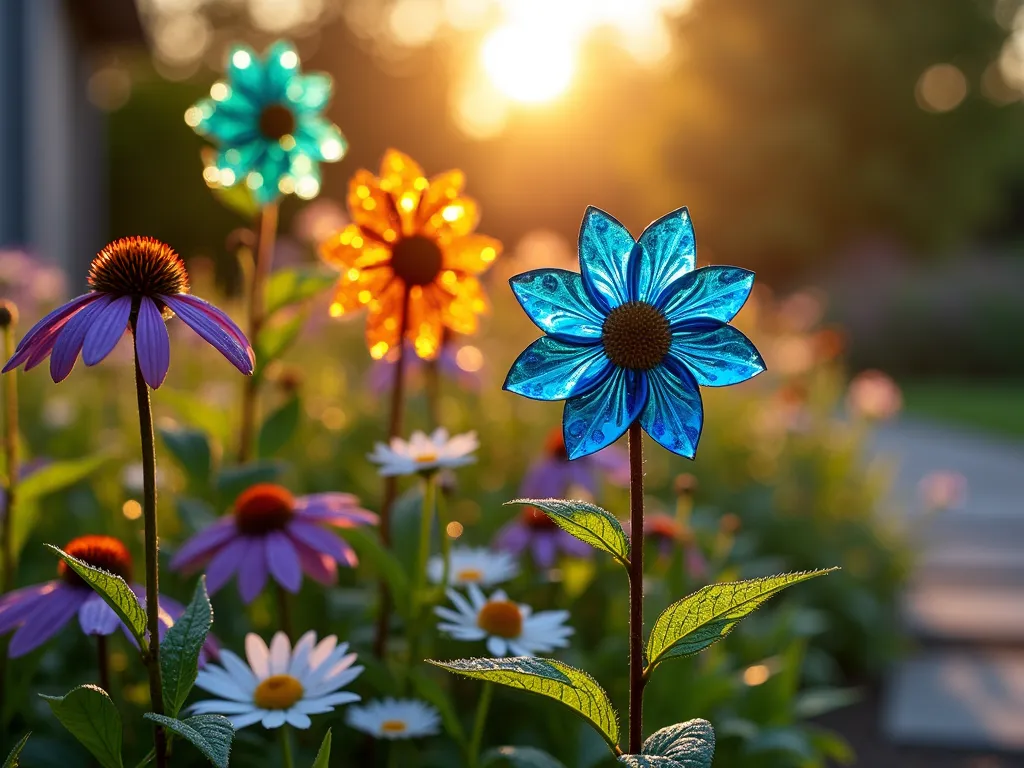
<point x="587" y="522"/>
<point x="12" y="760"/>
<point x="683" y="745"/>
<point x="191" y="449"/>
<point x="547" y="677"/>
<point x="114" y="591"/>
<point x="367" y="545"/>
<point x="278" y="428"/>
<point x="180" y="648"/>
<point x="191" y="409"/>
<point x="238" y="198"/>
<point x="323" y="755"/>
<point x="274" y="340"/>
<point x="292" y="286"/>
<point x="91" y="717"/>
<point x="231" y="481"/>
<point x="210" y="734"/>
<point x="58" y="476"/>
<point x="709" y="614"/>
<point x="648" y="761"/>
<point x="519" y="757"/>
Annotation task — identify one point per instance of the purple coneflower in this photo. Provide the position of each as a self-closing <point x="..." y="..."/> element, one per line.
<point x="40" y="611"/>
<point x="272" y="532"/>
<point x="552" y="476"/>
<point x="137" y="283"/>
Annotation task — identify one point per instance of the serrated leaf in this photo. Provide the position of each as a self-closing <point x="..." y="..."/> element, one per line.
<point x="519" y="757"/>
<point x="323" y="755"/>
<point x="274" y="340"/>
<point x="180" y="648"/>
<point x="367" y="545"/>
<point x="709" y="614"/>
<point x="547" y="677"/>
<point x="278" y="428"/>
<point x="91" y="717"/>
<point x="690" y="744"/>
<point x="191" y="449"/>
<point x="210" y="734"/>
<point x="292" y="286"/>
<point x="231" y="481"/>
<point x="12" y="760"/>
<point x="115" y="592"/>
<point x="648" y="761"/>
<point x="58" y="475"/>
<point x="587" y="522"/>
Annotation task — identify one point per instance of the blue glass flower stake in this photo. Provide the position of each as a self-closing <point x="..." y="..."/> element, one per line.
<point x="630" y="341"/>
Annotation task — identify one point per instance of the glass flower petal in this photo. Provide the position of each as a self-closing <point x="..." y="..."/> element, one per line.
<point x="711" y="293"/>
<point x="556" y="301"/>
<point x="717" y="355"/>
<point x="444" y="188"/>
<point x="471" y="254"/>
<point x="604" y="249"/>
<point x="598" y="418"/>
<point x="282" y="62"/>
<point x="550" y="369"/>
<point x="382" y="326"/>
<point x="667" y="252"/>
<point x="310" y="93"/>
<point x="425" y="327"/>
<point x="674" y="414"/>
<point x="245" y="72"/>
<point x="372" y="207"/>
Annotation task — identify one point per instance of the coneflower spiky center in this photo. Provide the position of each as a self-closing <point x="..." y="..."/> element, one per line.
<point x="138" y="266"/>
<point x="104" y="552"/>
<point x="263" y="508"/>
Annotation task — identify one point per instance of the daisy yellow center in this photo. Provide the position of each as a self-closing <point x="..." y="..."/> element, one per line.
<point x="104" y="552"/>
<point x="469" y="575"/>
<point x="426" y="458"/>
<point x="263" y="508"/>
<point x="394" y="726"/>
<point x="276" y="122"/>
<point x="416" y="260"/>
<point x="278" y="692"/>
<point x="138" y="266"/>
<point x="534" y="518"/>
<point x="636" y="335"/>
<point x="502" y="618"/>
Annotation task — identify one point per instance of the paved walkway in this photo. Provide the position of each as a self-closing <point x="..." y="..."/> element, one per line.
<point x="964" y="686"/>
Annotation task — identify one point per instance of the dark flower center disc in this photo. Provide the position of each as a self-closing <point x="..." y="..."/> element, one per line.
<point x="104" y="552"/>
<point x="276" y="121"/>
<point x="416" y="260"/>
<point x="263" y="508"/>
<point x="138" y="266"/>
<point x="636" y="335"/>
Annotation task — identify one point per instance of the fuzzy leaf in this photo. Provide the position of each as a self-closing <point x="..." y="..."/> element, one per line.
<point x="648" y="761"/>
<point x="191" y="449"/>
<point x="547" y="677"/>
<point x="278" y="428"/>
<point x="587" y="522"/>
<point x="519" y="757"/>
<point x="13" y="760"/>
<point x="180" y="648"/>
<point x="323" y="755"/>
<point x="210" y="734"/>
<point x="114" y="591"/>
<point x="292" y="286"/>
<point x="91" y="717"/>
<point x="690" y="744"/>
<point x="709" y="614"/>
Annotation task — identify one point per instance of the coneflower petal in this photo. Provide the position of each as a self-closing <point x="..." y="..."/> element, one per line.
<point x="152" y="344"/>
<point x="69" y="343"/>
<point x="213" y="332"/>
<point x="38" y="331"/>
<point x="106" y="330"/>
<point x="42" y="345"/>
<point x="221" y="318"/>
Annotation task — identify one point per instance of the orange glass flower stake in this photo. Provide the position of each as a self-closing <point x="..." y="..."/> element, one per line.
<point x="411" y="258"/>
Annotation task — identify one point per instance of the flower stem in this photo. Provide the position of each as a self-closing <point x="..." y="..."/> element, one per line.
<point x="419" y="590"/>
<point x="380" y="640"/>
<point x="284" y="611"/>
<point x="636" y="588"/>
<point x="152" y="546"/>
<point x="10" y="394"/>
<point x="477" y="737"/>
<point x="103" y="663"/>
<point x="286" y="747"/>
<point x="446" y="541"/>
<point x="257" y="292"/>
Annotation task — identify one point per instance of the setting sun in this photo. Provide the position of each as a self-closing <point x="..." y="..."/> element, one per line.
<point x="526" y="65"/>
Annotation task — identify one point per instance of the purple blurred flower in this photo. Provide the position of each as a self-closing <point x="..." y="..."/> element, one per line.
<point x="552" y="476"/>
<point x="273" y="533"/>
<point x="460" y="363"/>
<point x="29" y="281"/>
<point x="136" y="283"/>
<point x="39" y="611"/>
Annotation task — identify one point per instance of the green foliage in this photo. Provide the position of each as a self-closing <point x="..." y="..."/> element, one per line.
<point x="547" y="677"/>
<point x="369" y="549"/>
<point x="274" y="340"/>
<point x="115" y="592"/>
<point x="278" y="428"/>
<point x="210" y="734"/>
<point x="180" y="649"/>
<point x="231" y="481"/>
<point x="323" y="755"/>
<point x="191" y="449"/>
<point x="428" y="689"/>
<point x="91" y="717"/>
<point x="587" y="522"/>
<point x="711" y="613"/>
<point x="518" y="757"/>
<point x="13" y="759"/>
<point x="294" y="286"/>
<point x="684" y="745"/>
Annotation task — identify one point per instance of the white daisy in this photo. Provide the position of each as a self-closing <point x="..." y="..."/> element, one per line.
<point x="425" y="453"/>
<point x="511" y="629"/>
<point x="395" y="719"/>
<point x="481" y="566"/>
<point x="279" y="684"/>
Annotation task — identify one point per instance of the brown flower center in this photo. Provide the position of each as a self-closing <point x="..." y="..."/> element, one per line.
<point x="263" y="508"/>
<point x="277" y="692"/>
<point x="534" y="518"/>
<point x="138" y="266"/>
<point x="636" y="335"/>
<point x="502" y="618"/>
<point x="394" y="726"/>
<point x="416" y="260"/>
<point x="554" y="446"/>
<point x="467" y="575"/>
<point x="104" y="552"/>
<point x="276" y="122"/>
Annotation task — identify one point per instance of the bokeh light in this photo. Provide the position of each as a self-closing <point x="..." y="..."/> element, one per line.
<point x="941" y="87"/>
<point x="527" y="64"/>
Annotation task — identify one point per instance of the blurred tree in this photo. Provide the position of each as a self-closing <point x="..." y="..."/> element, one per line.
<point x="794" y="127"/>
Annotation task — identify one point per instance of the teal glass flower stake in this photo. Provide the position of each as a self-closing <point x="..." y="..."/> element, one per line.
<point x="267" y="121"/>
<point x="629" y="342"/>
